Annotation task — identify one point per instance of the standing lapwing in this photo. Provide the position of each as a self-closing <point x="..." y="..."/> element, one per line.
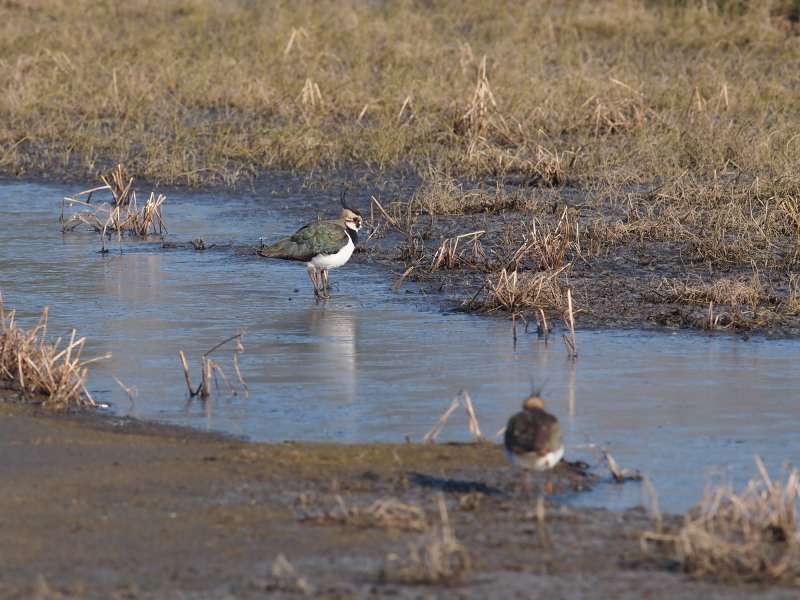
<point x="321" y="245"/>
<point x="533" y="440"/>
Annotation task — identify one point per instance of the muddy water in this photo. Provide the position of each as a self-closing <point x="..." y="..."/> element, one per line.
<point x="371" y="365"/>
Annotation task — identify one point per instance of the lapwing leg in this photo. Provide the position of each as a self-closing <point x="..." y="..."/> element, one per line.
<point x="548" y="486"/>
<point x="312" y="272"/>
<point x="326" y="286"/>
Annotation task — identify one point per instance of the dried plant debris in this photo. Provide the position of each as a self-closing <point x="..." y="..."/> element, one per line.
<point x="384" y="513"/>
<point x="44" y="370"/>
<point x="519" y="291"/>
<point x="461" y="399"/>
<point x="120" y="215"/>
<point x="209" y="368"/>
<point x="441" y="559"/>
<point x="750" y="536"/>
<point x="283" y="577"/>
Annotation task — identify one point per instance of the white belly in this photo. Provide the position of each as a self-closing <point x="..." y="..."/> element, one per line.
<point x="532" y="462"/>
<point x="331" y="261"/>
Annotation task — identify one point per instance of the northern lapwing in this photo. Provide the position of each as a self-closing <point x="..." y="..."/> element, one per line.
<point x="321" y="245"/>
<point x="534" y="440"/>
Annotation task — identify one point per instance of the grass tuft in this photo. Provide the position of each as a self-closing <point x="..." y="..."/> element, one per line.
<point x="750" y="536"/>
<point x="440" y="560"/>
<point x="516" y="292"/>
<point x="121" y="215"/>
<point x="42" y="369"/>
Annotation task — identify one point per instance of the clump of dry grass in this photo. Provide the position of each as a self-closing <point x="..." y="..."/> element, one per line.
<point x="721" y="220"/>
<point x="735" y="292"/>
<point x="386" y="513"/>
<point x="121" y="215"/>
<point x="749" y="301"/>
<point x="459" y="252"/>
<point x="749" y="536"/>
<point x="516" y="292"/>
<point x="549" y="242"/>
<point x="41" y="368"/>
<point x="440" y="560"/>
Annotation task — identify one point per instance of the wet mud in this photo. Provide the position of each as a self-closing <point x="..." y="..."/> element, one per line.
<point x="115" y="508"/>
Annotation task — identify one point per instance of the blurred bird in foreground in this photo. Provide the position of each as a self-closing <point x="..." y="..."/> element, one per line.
<point x="533" y="440"/>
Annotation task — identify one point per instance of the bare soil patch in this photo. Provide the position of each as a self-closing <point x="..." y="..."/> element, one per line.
<point x="102" y="508"/>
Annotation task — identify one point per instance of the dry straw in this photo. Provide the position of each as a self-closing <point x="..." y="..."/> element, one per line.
<point x="441" y="559"/>
<point x="461" y="399"/>
<point x="41" y="368"/>
<point x="121" y="215"/>
<point x="751" y="536"/>
<point x="387" y="513"/>
<point x="515" y="292"/>
<point x="452" y="254"/>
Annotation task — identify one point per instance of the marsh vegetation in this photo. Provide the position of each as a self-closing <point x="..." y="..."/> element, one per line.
<point x="655" y="140"/>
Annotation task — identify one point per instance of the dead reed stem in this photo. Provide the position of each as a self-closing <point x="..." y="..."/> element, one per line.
<point x="461" y="399"/>
<point x="571" y="342"/>
<point x="208" y="367"/>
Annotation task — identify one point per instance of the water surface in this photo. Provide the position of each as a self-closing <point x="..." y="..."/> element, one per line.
<point x="372" y="365"/>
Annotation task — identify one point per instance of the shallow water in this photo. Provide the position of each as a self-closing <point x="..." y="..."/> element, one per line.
<point x="371" y="365"/>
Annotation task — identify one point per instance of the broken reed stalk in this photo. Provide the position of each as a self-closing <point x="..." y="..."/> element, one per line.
<point x="514" y="326"/>
<point x="38" y="367"/>
<point x="392" y="221"/>
<point x="395" y="287"/>
<point x="620" y="475"/>
<point x="541" y="525"/>
<point x="287" y="578"/>
<point x="541" y="325"/>
<point x="462" y="398"/>
<point x="208" y="367"/>
<point x="570" y="342"/>
<point x="649" y="490"/>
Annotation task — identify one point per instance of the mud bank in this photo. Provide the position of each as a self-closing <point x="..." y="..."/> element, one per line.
<point x="114" y="508"/>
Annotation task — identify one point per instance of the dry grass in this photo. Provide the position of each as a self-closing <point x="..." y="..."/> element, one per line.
<point x="616" y="90"/>
<point x="517" y="292"/>
<point x="748" y="536"/>
<point x="386" y="513"/>
<point x="440" y="560"/>
<point x="42" y="369"/>
<point x="747" y="291"/>
<point x="120" y="215"/>
<point x="549" y="243"/>
<point x="720" y="221"/>
<point x="744" y="302"/>
<point x="459" y="252"/>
